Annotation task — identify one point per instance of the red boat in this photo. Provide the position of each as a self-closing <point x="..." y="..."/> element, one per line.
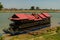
<point x="23" y="23"/>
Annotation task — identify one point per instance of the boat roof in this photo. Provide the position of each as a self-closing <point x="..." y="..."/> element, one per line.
<point x="46" y="14"/>
<point x="30" y="16"/>
<point x="22" y="16"/>
<point x="41" y="15"/>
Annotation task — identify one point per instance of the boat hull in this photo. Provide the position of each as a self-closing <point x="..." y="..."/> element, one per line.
<point x="26" y="30"/>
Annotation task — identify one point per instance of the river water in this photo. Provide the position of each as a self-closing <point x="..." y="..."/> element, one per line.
<point x="4" y="21"/>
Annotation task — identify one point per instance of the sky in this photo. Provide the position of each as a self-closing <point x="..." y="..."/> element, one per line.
<point x="26" y="4"/>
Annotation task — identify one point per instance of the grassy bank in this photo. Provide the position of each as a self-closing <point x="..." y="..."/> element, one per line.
<point x="28" y="11"/>
<point x="43" y="34"/>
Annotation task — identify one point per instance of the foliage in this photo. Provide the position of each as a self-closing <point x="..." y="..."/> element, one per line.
<point x="32" y="8"/>
<point x="52" y="37"/>
<point x="58" y="29"/>
<point x="1" y="6"/>
<point x="37" y="8"/>
<point x="1" y="38"/>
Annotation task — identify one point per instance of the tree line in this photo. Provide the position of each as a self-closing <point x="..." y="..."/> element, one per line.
<point x="31" y="8"/>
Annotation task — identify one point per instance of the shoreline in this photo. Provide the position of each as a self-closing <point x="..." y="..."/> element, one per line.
<point x="29" y="11"/>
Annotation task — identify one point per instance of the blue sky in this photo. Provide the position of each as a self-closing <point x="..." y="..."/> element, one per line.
<point x="55" y="4"/>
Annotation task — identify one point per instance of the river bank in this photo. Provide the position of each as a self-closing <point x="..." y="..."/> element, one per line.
<point x="43" y="34"/>
<point x="29" y="11"/>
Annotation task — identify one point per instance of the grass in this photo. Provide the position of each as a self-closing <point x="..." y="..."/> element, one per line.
<point x="1" y="38"/>
<point x="46" y="34"/>
<point x="52" y="37"/>
<point x="28" y="11"/>
<point x="52" y="34"/>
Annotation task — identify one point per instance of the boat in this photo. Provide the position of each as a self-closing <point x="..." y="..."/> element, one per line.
<point x="24" y="23"/>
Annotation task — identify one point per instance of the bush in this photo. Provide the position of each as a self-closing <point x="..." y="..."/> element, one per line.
<point x="1" y="38"/>
<point x="58" y="29"/>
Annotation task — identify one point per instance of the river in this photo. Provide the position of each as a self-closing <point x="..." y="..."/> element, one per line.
<point x="4" y="21"/>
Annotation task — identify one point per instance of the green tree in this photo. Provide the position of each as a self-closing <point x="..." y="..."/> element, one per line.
<point x="32" y="8"/>
<point x="37" y="8"/>
<point x="1" y="6"/>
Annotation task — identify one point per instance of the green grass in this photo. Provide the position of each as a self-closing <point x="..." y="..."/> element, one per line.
<point x="1" y="38"/>
<point x="49" y="35"/>
<point x="52" y="37"/>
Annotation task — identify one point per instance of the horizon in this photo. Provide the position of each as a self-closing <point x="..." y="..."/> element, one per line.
<point x="26" y="4"/>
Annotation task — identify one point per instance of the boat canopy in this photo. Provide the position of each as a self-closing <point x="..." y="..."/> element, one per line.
<point x="30" y="16"/>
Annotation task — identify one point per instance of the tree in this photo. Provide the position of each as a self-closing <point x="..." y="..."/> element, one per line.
<point x="1" y="6"/>
<point x="37" y="8"/>
<point x="32" y="8"/>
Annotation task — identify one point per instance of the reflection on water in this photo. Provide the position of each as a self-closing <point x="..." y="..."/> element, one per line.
<point x="4" y="21"/>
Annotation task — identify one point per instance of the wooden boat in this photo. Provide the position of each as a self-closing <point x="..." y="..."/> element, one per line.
<point x="23" y="23"/>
